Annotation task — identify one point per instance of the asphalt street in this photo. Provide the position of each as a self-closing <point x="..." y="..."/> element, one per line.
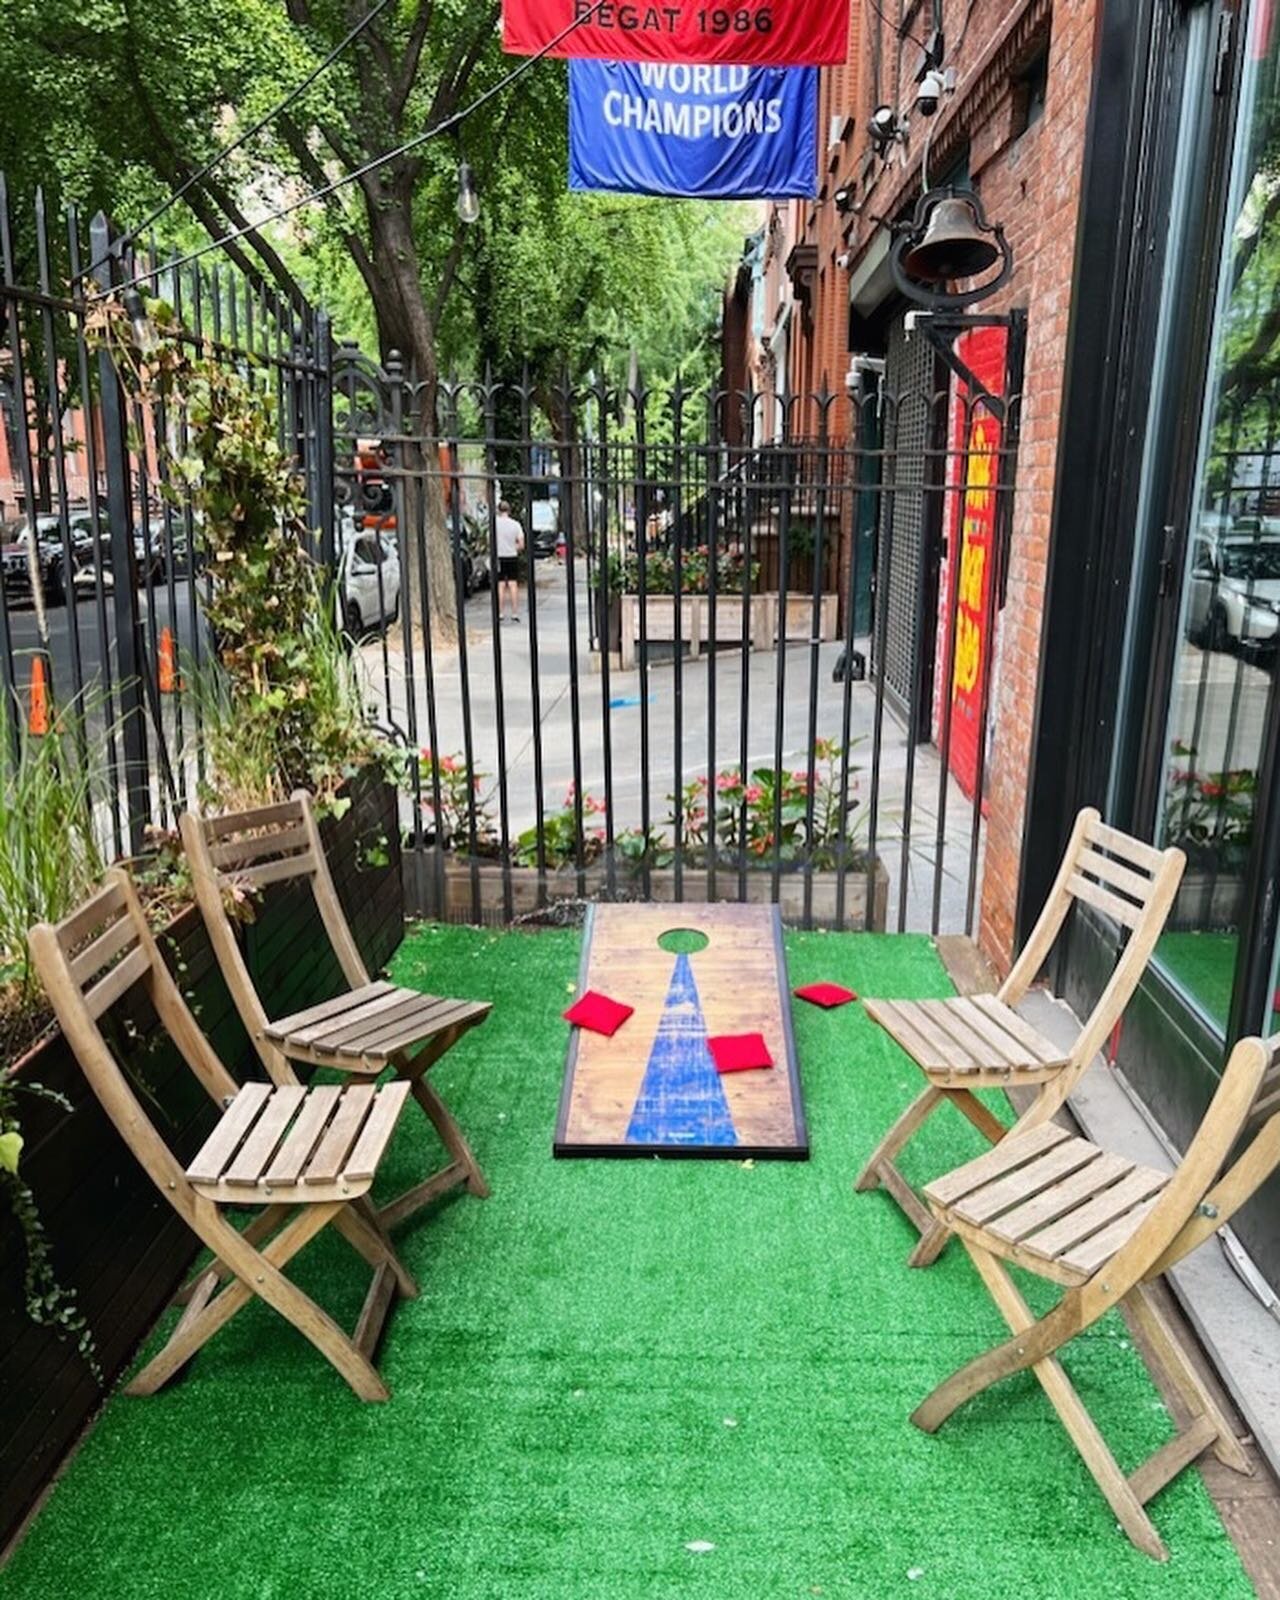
<point x="81" y="624"/>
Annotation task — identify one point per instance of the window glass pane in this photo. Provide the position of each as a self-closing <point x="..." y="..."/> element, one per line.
<point x="1230" y="620"/>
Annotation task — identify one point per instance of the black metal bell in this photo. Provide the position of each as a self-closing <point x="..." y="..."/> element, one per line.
<point x="954" y="245"/>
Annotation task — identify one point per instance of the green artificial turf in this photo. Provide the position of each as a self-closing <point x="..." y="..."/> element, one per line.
<point x="613" y="1361"/>
<point x="1204" y="964"/>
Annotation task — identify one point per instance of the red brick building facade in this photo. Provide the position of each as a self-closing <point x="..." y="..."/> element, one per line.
<point x="1013" y="128"/>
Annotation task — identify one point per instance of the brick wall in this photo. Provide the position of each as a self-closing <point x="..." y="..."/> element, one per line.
<point x="1033" y="185"/>
<point x="1028" y="176"/>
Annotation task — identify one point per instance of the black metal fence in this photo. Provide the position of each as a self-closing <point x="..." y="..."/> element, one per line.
<point x="755" y="641"/>
<point x="102" y="588"/>
<point x="693" y="703"/>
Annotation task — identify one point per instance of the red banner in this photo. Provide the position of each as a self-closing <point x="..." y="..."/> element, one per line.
<point x="776" y="33"/>
<point x="970" y="532"/>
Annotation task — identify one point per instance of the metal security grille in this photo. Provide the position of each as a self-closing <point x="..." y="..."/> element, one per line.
<point x="915" y="403"/>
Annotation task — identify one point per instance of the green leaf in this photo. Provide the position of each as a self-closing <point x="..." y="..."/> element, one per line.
<point x="10" y="1150"/>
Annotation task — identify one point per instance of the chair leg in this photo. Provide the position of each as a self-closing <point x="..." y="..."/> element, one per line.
<point x="261" y="1227"/>
<point x="1169" y="1355"/>
<point x="202" y="1320"/>
<point x="358" y="1223"/>
<point x="451" y="1135"/>
<point x="1080" y="1426"/>
<point x="259" y="1272"/>
<point x="921" y="1108"/>
<point x="933" y="1241"/>
<point x="986" y="1122"/>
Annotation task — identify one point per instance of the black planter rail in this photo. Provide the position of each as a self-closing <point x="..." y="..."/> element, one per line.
<point x="736" y="616"/>
<point x="102" y="594"/>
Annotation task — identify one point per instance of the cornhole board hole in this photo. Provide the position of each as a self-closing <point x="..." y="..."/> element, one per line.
<point x="691" y="972"/>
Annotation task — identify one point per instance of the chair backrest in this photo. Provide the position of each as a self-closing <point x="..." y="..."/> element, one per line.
<point x="88" y="962"/>
<point x="1205" y="1191"/>
<point x="1128" y="881"/>
<point x="247" y="850"/>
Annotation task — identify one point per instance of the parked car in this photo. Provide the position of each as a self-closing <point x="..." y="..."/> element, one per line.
<point x="50" y="553"/>
<point x="369" y="573"/>
<point x="473" y="550"/>
<point x="1233" y="598"/>
<point x="544" y="527"/>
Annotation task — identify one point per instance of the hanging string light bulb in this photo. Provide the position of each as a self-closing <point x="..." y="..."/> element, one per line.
<point x="468" y="199"/>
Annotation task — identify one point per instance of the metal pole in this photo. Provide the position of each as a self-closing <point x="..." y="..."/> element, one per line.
<point x="124" y="595"/>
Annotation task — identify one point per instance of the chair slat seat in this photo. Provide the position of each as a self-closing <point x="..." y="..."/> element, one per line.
<point x="371" y="1024"/>
<point x="979" y="1042"/>
<point x="290" y="1144"/>
<point x="1060" y="1205"/>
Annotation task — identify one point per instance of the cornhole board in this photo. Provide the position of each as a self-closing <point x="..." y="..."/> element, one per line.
<point x="652" y="1089"/>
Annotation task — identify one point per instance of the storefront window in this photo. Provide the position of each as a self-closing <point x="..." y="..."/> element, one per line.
<point x="1230" y="599"/>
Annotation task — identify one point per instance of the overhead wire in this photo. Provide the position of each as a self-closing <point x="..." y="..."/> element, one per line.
<point x="897" y="27"/>
<point x="251" y="132"/>
<point x="434" y="131"/>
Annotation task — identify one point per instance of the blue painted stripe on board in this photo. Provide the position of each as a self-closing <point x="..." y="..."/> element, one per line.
<point x="682" y="1100"/>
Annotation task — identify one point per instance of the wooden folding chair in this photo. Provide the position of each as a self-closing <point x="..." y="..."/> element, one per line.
<point x="980" y="1042"/>
<point x="305" y="1157"/>
<point x="364" y="1030"/>
<point x="1104" y="1228"/>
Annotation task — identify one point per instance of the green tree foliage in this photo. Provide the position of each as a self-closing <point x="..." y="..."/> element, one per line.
<point x="116" y="102"/>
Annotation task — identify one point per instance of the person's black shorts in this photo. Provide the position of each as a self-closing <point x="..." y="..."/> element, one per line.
<point x="508" y="568"/>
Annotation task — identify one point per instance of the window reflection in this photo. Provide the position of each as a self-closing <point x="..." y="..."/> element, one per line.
<point x="1231" y="585"/>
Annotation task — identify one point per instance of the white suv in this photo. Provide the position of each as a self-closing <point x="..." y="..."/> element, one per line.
<point x="1233" y="592"/>
<point x="369" y="568"/>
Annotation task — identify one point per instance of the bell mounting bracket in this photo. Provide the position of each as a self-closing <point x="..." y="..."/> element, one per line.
<point x="909" y="234"/>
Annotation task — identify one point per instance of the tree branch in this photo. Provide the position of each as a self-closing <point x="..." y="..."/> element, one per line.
<point x="1250" y="244"/>
<point x="412" y="58"/>
<point x="448" y="272"/>
<point x="462" y="62"/>
<point x="314" y="173"/>
<point x="208" y="194"/>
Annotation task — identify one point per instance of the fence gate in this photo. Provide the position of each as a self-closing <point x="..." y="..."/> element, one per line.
<point x="711" y="683"/>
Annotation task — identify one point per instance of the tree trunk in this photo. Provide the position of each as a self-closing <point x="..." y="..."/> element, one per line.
<point x="404" y="325"/>
<point x="564" y="430"/>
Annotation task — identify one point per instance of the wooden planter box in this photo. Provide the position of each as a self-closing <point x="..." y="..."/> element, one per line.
<point x="113" y="1239"/>
<point x="455" y="903"/>
<point x="768" y="612"/>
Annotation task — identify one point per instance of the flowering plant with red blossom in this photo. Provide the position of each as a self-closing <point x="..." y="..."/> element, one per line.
<point x="1209" y="814"/>
<point x="449" y="822"/>
<point x="796" y="812"/>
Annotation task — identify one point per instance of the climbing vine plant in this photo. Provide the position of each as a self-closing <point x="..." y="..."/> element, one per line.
<point x="281" y="706"/>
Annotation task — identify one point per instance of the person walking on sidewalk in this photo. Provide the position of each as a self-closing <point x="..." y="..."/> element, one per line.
<point x="509" y="537"/>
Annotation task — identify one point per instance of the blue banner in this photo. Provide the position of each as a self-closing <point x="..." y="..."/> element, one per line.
<point x="710" y="133"/>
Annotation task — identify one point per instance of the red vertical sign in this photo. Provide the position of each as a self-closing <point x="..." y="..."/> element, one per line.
<point x="970" y="520"/>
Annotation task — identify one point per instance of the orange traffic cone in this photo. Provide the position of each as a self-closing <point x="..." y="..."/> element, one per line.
<point x="168" y="663"/>
<point x="38" y="716"/>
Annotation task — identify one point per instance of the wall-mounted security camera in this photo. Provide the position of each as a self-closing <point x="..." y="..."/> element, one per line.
<point x="844" y="259"/>
<point x="885" y="127"/>
<point x="930" y="91"/>
<point x="845" y="200"/>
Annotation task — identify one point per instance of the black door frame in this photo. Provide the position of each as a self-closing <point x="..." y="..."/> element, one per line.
<point x="1121" y="265"/>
